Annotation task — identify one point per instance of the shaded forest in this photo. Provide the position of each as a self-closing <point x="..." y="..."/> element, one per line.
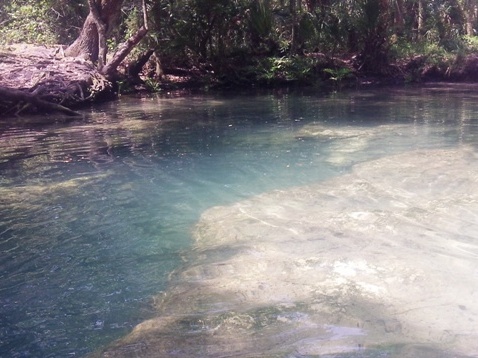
<point x="155" y="44"/>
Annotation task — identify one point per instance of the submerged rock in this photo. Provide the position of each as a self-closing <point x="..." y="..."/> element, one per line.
<point x="377" y="262"/>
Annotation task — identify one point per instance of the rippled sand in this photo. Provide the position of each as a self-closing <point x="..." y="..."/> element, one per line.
<point x="381" y="262"/>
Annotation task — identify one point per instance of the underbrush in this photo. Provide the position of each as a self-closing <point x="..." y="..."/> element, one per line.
<point x="430" y="60"/>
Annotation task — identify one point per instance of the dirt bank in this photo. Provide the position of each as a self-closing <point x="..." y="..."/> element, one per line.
<point x="41" y="79"/>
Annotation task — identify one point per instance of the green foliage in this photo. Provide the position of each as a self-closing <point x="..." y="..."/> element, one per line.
<point x="308" y="30"/>
<point x="338" y="74"/>
<point x="264" y="40"/>
<point x="132" y="20"/>
<point x="28" y="23"/>
<point x="371" y="14"/>
<point x="406" y="49"/>
<point x="274" y="70"/>
<point x="432" y="51"/>
<point x="471" y="43"/>
<point x="196" y="30"/>
<point x="40" y="21"/>
<point x="152" y="85"/>
<point x="260" y="21"/>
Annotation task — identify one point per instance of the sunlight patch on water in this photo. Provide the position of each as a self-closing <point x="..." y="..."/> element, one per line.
<point x="96" y="213"/>
<point x="378" y="262"/>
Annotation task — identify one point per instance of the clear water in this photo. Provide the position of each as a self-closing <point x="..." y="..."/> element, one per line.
<point x="96" y="213"/>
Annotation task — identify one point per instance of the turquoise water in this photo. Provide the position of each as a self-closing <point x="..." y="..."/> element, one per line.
<point x="96" y="213"/>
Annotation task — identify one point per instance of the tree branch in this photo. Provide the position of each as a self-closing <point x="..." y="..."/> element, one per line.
<point x="14" y="95"/>
<point x="125" y="48"/>
<point x="101" y="26"/>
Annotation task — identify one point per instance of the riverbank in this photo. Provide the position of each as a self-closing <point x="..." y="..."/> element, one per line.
<point x="41" y="79"/>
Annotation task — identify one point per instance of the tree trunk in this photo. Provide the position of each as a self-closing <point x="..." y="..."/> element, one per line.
<point x="469" y="8"/>
<point x="123" y="50"/>
<point x="27" y="99"/>
<point x="375" y="32"/>
<point x="91" y="44"/>
<point x="420" y="19"/>
<point x="135" y="68"/>
<point x="294" y="13"/>
<point x="399" y="19"/>
<point x="102" y="19"/>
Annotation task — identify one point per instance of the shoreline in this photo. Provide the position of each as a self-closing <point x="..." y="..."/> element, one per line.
<point x="37" y="79"/>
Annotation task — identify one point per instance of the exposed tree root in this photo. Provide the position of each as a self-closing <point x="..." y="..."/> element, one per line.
<point x="24" y="100"/>
<point x="36" y="79"/>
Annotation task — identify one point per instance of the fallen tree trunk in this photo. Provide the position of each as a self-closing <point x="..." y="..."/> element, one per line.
<point x="40" y="79"/>
<point x="22" y="100"/>
<point x="124" y="49"/>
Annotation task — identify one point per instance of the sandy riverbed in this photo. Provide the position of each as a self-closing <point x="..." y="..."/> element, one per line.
<point x="377" y="262"/>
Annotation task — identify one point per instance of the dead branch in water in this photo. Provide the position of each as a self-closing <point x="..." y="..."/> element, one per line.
<point x="21" y="101"/>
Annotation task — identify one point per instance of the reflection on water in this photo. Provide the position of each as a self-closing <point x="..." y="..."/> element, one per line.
<point x="96" y="214"/>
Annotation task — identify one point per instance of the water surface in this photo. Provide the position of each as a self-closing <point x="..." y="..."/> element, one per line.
<point x="96" y="214"/>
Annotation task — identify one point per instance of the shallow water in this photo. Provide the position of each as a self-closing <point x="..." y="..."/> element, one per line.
<point x="97" y="214"/>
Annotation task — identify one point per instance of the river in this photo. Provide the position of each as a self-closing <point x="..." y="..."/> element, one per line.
<point x="290" y="223"/>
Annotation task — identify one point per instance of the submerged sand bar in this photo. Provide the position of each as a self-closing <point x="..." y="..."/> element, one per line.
<point x="383" y="259"/>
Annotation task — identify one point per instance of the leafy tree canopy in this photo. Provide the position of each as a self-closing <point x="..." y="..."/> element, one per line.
<point x="262" y="38"/>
